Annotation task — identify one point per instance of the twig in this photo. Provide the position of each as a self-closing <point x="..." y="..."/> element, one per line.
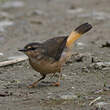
<point x="93" y="101"/>
<point x="13" y="60"/>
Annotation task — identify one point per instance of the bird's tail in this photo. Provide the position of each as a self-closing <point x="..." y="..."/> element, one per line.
<point x="77" y="33"/>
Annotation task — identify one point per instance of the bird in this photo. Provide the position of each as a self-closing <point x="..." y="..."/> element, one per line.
<point x="49" y="56"/>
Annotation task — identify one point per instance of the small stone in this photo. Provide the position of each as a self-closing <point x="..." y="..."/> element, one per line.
<point x="106" y="44"/>
<point x="80" y="44"/>
<point x="1" y="54"/>
<point x="4" y="24"/>
<point x="73" y="87"/>
<point x="68" y="96"/>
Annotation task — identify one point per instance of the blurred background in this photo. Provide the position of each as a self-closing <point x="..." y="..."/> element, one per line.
<point x="25" y="21"/>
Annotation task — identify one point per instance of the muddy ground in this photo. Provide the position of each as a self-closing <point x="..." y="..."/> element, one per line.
<point x="85" y="77"/>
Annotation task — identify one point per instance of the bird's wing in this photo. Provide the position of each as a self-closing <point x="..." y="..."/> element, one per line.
<point x="54" y="47"/>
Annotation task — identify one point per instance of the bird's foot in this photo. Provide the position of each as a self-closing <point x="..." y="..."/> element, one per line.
<point x="32" y="86"/>
<point x="56" y="84"/>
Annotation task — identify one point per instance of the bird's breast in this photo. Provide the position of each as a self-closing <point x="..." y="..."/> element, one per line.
<point x="45" y="65"/>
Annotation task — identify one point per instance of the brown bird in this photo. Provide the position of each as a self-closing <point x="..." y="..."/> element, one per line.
<point x="49" y="56"/>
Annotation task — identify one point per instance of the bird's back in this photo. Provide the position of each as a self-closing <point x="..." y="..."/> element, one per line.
<point x="55" y="46"/>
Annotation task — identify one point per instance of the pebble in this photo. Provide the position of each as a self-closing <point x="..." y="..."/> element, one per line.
<point x="106" y="44"/>
<point x="68" y="96"/>
<point x="1" y="54"/>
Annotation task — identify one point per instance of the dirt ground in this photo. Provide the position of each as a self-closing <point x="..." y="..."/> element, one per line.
<point x="86" y="76"/>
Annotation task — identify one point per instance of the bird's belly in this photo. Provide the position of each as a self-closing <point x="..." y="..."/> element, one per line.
<point x="45" y="67"/>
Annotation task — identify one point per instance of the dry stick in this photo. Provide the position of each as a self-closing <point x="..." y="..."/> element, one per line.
<point x="93" y="101"/>
<point x="13" y="60"/>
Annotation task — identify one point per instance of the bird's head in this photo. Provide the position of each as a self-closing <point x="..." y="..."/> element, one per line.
<point x="32" y="49"/>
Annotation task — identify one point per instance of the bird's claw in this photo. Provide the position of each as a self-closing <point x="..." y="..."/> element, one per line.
<point x="56" y="84"/>
<point x="32" y="86"/>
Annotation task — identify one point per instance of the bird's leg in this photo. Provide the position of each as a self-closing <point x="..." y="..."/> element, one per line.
<point x="35" y="83"/>
<point x="52" y="76"/>
<point x="58" y="82"/>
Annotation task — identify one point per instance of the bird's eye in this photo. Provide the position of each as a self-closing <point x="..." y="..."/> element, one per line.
<point x="33" y="48"/>
<point x="30" y="48"/>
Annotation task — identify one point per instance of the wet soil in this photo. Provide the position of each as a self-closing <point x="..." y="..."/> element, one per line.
<point x="85" y="77"/>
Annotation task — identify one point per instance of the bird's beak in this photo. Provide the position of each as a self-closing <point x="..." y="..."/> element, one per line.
<point x="22" y="50"/>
